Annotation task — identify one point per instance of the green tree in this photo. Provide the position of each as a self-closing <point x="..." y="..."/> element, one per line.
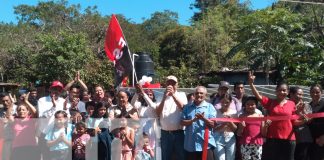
<point x="268" y="37"/>
<point x="204" y="6"/>
<point x="48" y="16"/>
<point x="211" y="37"/>
<point x="62" y="55"/>
<point x="19" y="66"/>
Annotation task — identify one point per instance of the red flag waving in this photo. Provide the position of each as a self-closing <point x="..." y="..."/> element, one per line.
<point x="117" y="50"/>
<point x="115" y="40"/>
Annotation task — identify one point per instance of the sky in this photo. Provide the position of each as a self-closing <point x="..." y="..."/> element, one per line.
<point x="135" y="10"/>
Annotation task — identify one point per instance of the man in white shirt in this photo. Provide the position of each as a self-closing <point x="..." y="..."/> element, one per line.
<point x="169" y="111"/>
<point x="47" y="106"/>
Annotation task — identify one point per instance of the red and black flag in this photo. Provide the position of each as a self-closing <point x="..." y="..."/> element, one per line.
<point x="117" y="50"/>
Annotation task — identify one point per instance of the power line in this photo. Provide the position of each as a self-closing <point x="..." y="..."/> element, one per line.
<point x="320" y="3"/>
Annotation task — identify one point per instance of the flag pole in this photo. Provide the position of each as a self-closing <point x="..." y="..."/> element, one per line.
<point x="134" y="73"/>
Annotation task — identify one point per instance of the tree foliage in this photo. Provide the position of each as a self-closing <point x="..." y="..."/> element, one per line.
<point x="53" y="40"/>
<point x="271" y="38"/>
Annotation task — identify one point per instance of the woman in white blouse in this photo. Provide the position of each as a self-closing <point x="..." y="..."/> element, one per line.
<point x="145" y="102"/>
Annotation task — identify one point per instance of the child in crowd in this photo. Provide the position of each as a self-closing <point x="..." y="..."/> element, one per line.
<point x="79" y="141"/>
<point x="127" y="138"/>
<point x="59" y="138"/>
<point x="90" y="107"/>
<point x="146" y="152"/>
<point x="126" y="135"/>
<point x="85" y="96"/>
<point x="146" y="146"/>
<point x="250" y="133"/>
<point x="75" y="118"/>
<point x="99" y="114"/>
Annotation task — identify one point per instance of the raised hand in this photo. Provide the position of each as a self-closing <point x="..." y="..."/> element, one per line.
<point x="26" y="96"/>
<point x="77" y="76"/>
<point x="139" y="89"/>
<point x="53" y="101"/>
<point x="97" y="130"/>
<point x="251" y="77"/>
<point x="169" y="91"/>
<point x="242" y="124"/>
<point x="75" y="103"/>
<point x="268" y="122"/>
<point x="12" y="98"/>
<point x="62" y="136"/>
<point x="65" y="102"/>
<point x="300" y="106"/>
<point x="320" y="141"/>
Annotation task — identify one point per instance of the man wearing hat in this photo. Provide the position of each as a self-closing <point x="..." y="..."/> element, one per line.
<point x="169" y="111"/>
<point x="223" y="88"/>
<point x="48" y="105"/>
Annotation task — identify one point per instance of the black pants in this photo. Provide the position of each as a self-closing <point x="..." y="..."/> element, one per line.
<point x="198" y="155"/>
<point x="302" y="151"/>
<point x="25" y="153"/>
<point x="278" y="149"/>
<point x="316" y="152"/>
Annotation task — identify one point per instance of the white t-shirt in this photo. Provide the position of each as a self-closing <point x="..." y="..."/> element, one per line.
<point x="144" y="111"/>
<point x="45" y="103"/>
<point x="46" y="112"/>
<point x="171" y="114"/>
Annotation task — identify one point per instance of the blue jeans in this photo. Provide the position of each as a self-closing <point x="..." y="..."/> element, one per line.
<point x="172" y="144"/>
<point x="225" y="149"/>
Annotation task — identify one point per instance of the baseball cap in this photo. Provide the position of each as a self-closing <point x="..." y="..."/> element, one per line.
<point x="57" y="84"/>
<point x="172" y="78"/>
<point x="224" y="84"/>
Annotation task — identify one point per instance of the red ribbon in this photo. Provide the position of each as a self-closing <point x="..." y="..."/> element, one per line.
<point x="206" y="136"/>
<point x="272" y="118"/>
<point x="249" y="119"/>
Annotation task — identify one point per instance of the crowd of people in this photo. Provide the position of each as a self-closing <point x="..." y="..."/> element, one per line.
<point x="117" y="124"/>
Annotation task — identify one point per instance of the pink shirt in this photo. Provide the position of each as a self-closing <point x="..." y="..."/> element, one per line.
<point x="252" y="133"/>
<point x="24" y="132"/>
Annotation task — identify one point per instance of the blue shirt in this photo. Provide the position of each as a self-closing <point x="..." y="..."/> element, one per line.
<point x="55" y="133"/>
<point x="194" y="133"/>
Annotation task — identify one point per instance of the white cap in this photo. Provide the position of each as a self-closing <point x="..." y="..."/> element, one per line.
<point x="172" y="78"/>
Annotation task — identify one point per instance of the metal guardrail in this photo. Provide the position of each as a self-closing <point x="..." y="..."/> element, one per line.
<point x="267" y="90"/>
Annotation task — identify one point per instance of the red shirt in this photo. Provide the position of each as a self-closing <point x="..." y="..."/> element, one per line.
<point x="280" y="129"/>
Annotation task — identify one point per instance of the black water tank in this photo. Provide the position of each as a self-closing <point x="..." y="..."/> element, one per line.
<point x="144" y="65"/>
